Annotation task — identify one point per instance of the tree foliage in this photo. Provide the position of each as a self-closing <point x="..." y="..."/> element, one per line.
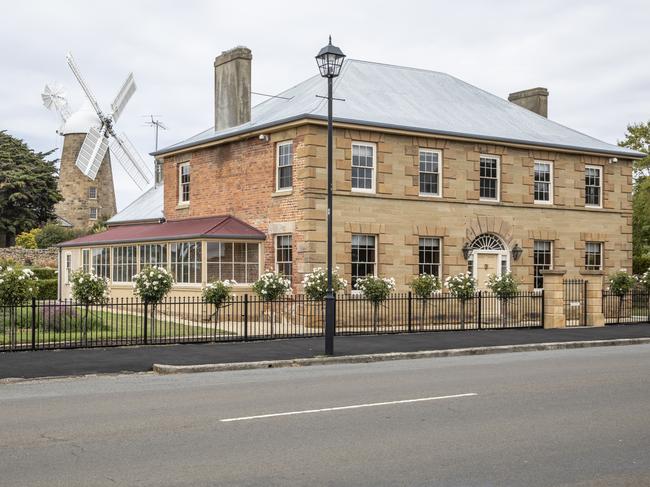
<point x="637" y="137"/>
<point x="28" y="186"/>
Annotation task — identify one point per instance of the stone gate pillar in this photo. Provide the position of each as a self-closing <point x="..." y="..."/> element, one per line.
<point x="595" y="283"/>
<point x="554" y="298"/>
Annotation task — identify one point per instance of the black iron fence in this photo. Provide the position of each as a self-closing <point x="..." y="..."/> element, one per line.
<point x="65" y="324"/>
<point x="633" y="307"/>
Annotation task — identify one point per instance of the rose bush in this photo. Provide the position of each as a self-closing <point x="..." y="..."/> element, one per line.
<point x="620" y="283"/>
<point x="88" y="288"/>
<point x="315" y="283"/>
<point x="218" y="292"/>
<point x="152" y="284"/>
<point x="271" y="286"/>
<point x="504" y="286"/>
<point x="462" y="286"/>
<point x="425" y="285"/>
<point x="16" y="285"/>
<point x="375" y="289"/>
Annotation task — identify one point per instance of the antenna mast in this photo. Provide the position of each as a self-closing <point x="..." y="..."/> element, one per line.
<point x="156" y="124"/>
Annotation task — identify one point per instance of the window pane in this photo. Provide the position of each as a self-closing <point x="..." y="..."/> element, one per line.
<point x="489" y="177"/>
<point x="593" y="256"/>
<point x="362" y="166"/>
<point x="285" y="163"/>
<point x="284" y="255"/>
<point x="542" y="181"/>
<point x="592" y="186"/>
<point x="363" y="256"/>
<point x="541" y="261"/>
<point x="429" y="172"/>
<point x="429" y="256"/>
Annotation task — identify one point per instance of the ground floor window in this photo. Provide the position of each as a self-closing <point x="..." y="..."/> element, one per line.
<point x="153" y="255"/>
<point x="186" y="263"/>
<point x="593" y="256"/>
<point x="429" y="256"/>
<point x="100" y="261"/>
<point x="284" y="255"/>
<point x="542" y="260"/>
<point x="125" y="264"/>
<point x="234" y="261"/>
<point x="68" y="267"/>
<point x="364" y="256"/>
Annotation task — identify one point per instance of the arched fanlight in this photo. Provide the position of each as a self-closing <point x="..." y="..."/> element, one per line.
<point x="329" y="60"/>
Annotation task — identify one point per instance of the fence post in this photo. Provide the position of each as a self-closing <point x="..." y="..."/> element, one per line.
<point x="480" y="310"/>
<point x="146" y="313"/>
<point x="585" y="303"/>
<point x="543" y="307"/>
<point x="33" y="323"/>
<point x="410" y="312"/>
<point x="245" y="317"/>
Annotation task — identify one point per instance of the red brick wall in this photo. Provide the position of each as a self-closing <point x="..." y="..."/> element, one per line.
<point x="238" y="179"/>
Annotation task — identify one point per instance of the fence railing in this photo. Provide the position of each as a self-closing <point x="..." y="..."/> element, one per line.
<point x="633" y="307"/>
<point x="42" y="325"/>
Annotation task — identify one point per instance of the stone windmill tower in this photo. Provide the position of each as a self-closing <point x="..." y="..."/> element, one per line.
<point x="85" y="175"/>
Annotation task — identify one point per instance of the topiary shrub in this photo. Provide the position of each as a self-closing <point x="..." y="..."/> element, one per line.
<point x="424" y="285"/>
<point x="315" y="283"/>
<point x="16" y="287"/>
<point x="463" y="287"/>
<point x="376" y="290"/>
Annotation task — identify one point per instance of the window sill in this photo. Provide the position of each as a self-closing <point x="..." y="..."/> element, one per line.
<point x="282" y="192"/>
<point x="182" y="206"/>
<point x="363" y="191"/>
<point x="593" y="207"/>
<point x="543" y="203"/>
<point x="429" y="195"/>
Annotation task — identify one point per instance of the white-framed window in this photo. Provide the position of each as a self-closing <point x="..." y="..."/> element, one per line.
<point x="100" y="261"/>
<point x="363" y="167"/>
<point x="593" y="186"/>
<point x="284" y="255"/>
<point x="364" y="257"/>
<point x="68" y="267"/>
<point x="92" y="193"/>
<point x="430" y="172"/>
<point x="429" y="256"/>
<point x="237" y="261"/>
<point x="542" y="260"/>
<point x="186" y="263"/>
<point x="593" y="256"/>
<point x="284" y="164"/>
<point x="489" y="183"/>
<point x="85" y="260"/>
<point x="124" y="263"/>
<point x="153" y="255"/>
<point x="543" y="182"/>
<point x="92" y="215"/>
<point x="184" y="183"/>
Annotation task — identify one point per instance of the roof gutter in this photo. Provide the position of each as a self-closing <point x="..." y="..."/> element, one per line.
<point x="341" y="122"/>
<point x="72" y="243"/>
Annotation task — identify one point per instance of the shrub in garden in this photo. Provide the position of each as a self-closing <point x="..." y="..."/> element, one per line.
<point x="644" y="280"/>
<point x="376" y="290"/>
<point x="621" y="283"/>
<point x="88" y="288"/>
<point x="152" y="284"/>
<point x="218" y="292"/>
<point x="271" y="286"/>
<point x="16" y="287"/>
<point x="315" y="283"/>
<point x="45" y="272"/>
<point x="53" y="233"/>
<point x="462" y="286"/>
<point x="504" y="286"/>
<point x="47" y="289"/>
<point x="27" y="240"/>
<point x="425" y="285"/>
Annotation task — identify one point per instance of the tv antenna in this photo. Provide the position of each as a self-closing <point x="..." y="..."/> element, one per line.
<point x="156" y="124"/>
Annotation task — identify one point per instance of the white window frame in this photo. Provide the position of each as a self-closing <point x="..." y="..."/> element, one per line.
<point x="92" y="210"/>
<point x="601" y="252"/>
<point x="181" y="267"/>
<point x="119" y="267"/>
<point x="551" y="188"/>
<point x="374" y="263"/>
<point x="180" y="167"/>
<point x="68" y="266"/>
<point x="498" y="159"/>
<point x="440" y="252"/>
<point x="90" y="193"/>
<point x="277" y="166"/>
<point x="231" y="262"/>
<point x="275" y="253"/>
<point x="600" y="189"/>
<point x="439" y="153"/>
<point x="373" y="180"/>
<point x="551" y="255"/>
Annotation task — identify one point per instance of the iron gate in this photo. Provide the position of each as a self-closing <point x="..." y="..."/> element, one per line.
<point x="575" y="302"/>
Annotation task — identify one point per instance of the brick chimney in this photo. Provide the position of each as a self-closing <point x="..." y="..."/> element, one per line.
<point x="232" y="88"/>
<point x="535" y="100"/>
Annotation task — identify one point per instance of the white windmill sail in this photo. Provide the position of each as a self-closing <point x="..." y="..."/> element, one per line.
<point x="92" y="151"/>
<point x="99" y="139"/>
<point x="54" y="98"/>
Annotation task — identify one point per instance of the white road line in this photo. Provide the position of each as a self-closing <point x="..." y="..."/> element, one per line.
<point x="342" y="408"/>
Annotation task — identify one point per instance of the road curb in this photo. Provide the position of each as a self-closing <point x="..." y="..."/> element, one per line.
<point x="383" y="357"/>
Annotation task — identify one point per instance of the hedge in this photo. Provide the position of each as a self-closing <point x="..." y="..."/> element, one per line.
<point x="44" y="272"/>
<point x="47" y="289"/>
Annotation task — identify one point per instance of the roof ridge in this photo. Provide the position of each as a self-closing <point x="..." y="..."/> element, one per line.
<point x="390" y="65"/>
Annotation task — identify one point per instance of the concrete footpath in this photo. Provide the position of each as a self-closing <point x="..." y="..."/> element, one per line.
<point x="59" y="363"/>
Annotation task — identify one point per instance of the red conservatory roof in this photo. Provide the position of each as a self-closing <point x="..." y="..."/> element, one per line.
<point x="191" y="228"/>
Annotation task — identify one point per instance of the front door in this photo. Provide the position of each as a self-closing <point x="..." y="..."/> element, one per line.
<point x="486" y="263"/>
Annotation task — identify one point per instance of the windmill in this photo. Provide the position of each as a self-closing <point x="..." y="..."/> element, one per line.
<point x="90" y="140"/>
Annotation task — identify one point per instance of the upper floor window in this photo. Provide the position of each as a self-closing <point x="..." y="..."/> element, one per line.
<point x="430" y="172"/>
<point x="238" y="261"/>
<point x="124" y="263"/>
<point x="283" y="255"/>
<point x="186" y="261"/>
<point x="543" y="182"/>
<point x="92" y="215"/>
<point x="593" y="256"/>
<point x="542" y="260"/>
<point x="489" y="178"/>
<point x="363" y="167"/>
<point x="364" y="257"/>
<point x="593" y="186"/>
<point x="284" y="176"/>
<point x="429" y="256"/>
<point x="184" y="182"/>
<point x="92" y="193"/>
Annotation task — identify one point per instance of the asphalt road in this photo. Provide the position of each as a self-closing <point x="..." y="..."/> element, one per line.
<point x="562" y="418"/>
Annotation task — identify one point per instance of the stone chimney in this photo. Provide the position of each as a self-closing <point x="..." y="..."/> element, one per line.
<point x="535" y="100"/>
<point x="232" y="88"/>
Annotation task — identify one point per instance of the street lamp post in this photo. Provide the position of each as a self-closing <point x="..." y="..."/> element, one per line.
<point x="329" y="60"/>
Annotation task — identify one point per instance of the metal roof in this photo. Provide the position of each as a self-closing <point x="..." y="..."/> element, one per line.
<point x="413" y="99"/>
<point x="147" y="207"/>
<point x="225" y="226"/>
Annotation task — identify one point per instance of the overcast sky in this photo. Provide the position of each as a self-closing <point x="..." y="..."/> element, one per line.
<point x="592" y="56"/>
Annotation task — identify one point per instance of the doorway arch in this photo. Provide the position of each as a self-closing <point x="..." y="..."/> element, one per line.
<point x="489" y="254"/>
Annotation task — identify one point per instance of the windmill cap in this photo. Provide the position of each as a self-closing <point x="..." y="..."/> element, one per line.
<point x="80" y="121"/>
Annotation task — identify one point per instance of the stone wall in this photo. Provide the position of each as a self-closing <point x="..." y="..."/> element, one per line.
<point x="31" y="257"/>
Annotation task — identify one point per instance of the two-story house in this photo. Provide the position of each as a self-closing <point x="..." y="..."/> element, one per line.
<point x="432" y="175"/>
